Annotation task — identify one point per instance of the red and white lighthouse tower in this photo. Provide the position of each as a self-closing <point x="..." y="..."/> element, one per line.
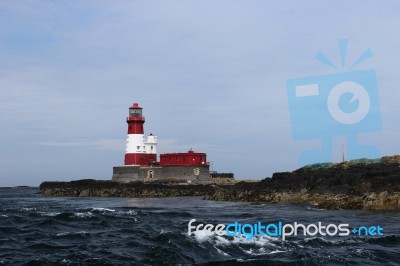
<point x="138" y="150"/>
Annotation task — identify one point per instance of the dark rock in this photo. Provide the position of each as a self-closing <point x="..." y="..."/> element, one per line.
<point x="105" y="188"/>
<point x="360" y="184"/>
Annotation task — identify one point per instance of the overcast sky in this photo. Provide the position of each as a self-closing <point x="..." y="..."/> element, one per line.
<point x="210" y="75"/>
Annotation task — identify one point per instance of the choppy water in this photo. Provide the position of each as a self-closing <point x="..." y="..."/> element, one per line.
<point x="36" y="230"/>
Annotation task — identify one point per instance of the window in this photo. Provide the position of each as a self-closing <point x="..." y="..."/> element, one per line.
<point x="151" y="147"/>
<point x="138" y="147"/>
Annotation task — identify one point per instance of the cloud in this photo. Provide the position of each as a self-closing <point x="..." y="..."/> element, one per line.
<point x="101" y="144"/>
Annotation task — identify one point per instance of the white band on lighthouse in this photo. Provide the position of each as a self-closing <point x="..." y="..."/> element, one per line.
<point x="135" y="144"/>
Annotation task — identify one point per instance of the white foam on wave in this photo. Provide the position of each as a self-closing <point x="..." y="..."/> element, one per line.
<point x="364" y="253"/>
<point x="221" y="252"/>
<point x="51" y="214"/>
<point x="65" y="261"/>
<point x="262" y="251"/>
<point x="316" y="208"/>
<point x="162" y="232"/>
<point x="257" y="246"/>
<point x="82" y="233"/>
<point x="129" y="213"/>
<point x="83" y="214"/>
<point x="256" y="240"/>
<point x="222" y="241"/>
<point x="203" y="235"/>
<point x="5" y="216"/>
<point x="102" y="209"/>
<point x="27" y="209"/>
<point x="277" y="251"/>
<point x="253" y="252"/>
<point x="91" y="212"/>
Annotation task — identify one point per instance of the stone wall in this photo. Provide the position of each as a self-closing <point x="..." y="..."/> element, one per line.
<point x="182" y="173"/>
<point x="192" y="173"/>
<point x="126" y="173"/>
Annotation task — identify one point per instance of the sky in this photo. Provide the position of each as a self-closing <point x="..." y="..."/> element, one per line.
<point x="210" y="75"/>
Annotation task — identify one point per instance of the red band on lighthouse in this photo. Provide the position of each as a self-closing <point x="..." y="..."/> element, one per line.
<point x="135" y="125"/>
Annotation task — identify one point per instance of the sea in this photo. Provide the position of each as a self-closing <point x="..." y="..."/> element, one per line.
<point x="38" y="230"/>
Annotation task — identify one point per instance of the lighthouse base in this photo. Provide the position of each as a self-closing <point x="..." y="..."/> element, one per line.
<point x="192" y="173"/>
<point x="126" y="173"/>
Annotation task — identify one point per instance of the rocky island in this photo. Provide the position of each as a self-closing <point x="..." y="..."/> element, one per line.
<point x="358" y="184"/>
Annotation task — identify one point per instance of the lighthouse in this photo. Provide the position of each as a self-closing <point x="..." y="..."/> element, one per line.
<point x="139" y="151"/>
<point x="141" y="162"/>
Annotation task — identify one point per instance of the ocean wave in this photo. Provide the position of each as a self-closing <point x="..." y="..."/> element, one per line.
<point x="80" y="233"/>
<point x="391" y="240"/>
<point x="262" y="251"/>
<point x="316" y="240"/>
<point x="50" y="214"/>
<point x="67" y="262"/>
<point x="324" y="241"/>
<point x="128" y="212"/>
<point x="256" y="240"/>
<point x="101" y="210"/>
<point x="205" y="235"/>
<point x="315" y="208"/>
<point x="9" y="229"/>
<point x="83" y="214"/>
<point x="47" y="246"/>
<point x="27" y="209"/>
<point x="222" y="252"/>
<point x="90" y="212"/>
<point x="66" y="216"/>
<point x="228" y="245"/>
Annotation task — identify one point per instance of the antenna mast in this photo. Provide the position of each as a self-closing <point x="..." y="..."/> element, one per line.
<point x="343" y="152"/>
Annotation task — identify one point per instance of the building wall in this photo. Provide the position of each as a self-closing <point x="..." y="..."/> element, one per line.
<point x="143" y="159"/>
<point x="125" y="173"/>
<point x="135" y="173"/>
<point x="183" y="159"/>
<point x="192" y="173"/>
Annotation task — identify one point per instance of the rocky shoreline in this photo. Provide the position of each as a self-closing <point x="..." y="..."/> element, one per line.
<point x="105" y="188"/>
<point x="360" y="184"/>
<point x="368" y="201"/>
